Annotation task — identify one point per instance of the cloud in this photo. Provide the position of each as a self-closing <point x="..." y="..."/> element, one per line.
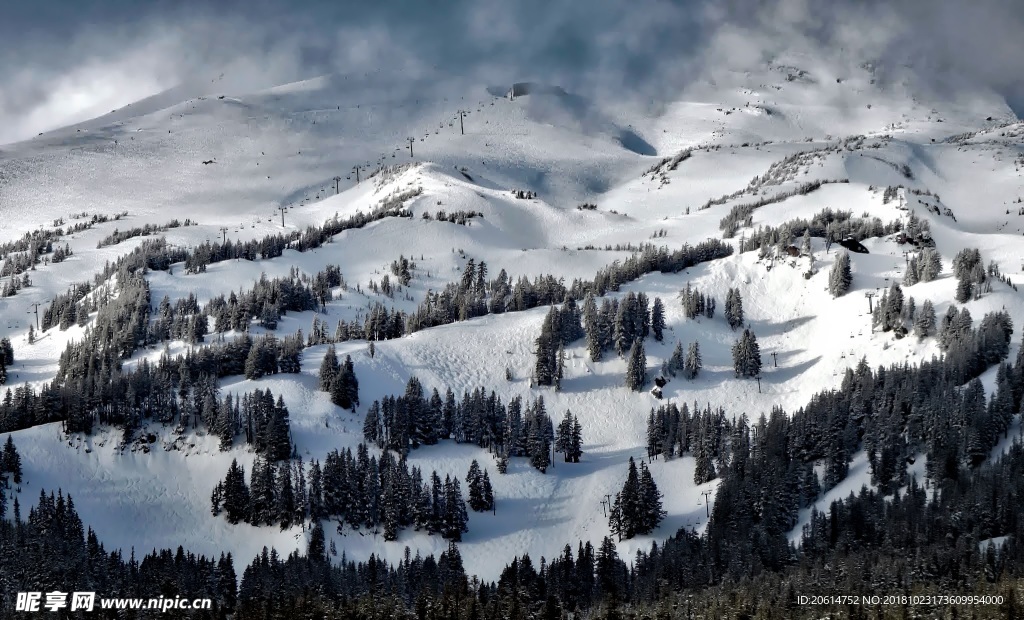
<point x="62" y="61"/>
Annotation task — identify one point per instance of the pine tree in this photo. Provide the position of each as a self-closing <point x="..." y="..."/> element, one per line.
<point x="624" y="325"/>
<point x="676" y="363"/>
<point x="569" y="438"/>
<point x="474" y="481"/>
<point x="6" y="352"/>
<point x="703" y="453"/>
<point x="488" y="492"/>
<point x="10" y="462"/>
<point x="746" y="355"/>
<point x="316" y="493"/>
<point x="455" y="520"/>
<point x="626" y="516"/>
<point x="576" y="441"/>
<point x="262" y="499"/>
<point x="592" y="326"/>
<point x="658" y="319"/>
<point x="216" y="498"/>
<point x="892" y="313"/>
<point x="539" y="444"/>
<point x="636" y="367"/>
<point x="964" y="290"/>
<point x="546" y="367"/>
<point x="559" y="366"/>
<point x="329" y="369"/>
<point x="236" y="494"/>
<point x="317" y="549"/>
<point x="841" y="276"/>
<point x="929" y="265"/>
<point x="734" y="308"/>
<point x="652" y="511"/>
<point x="285" y="495"/>
<point x="693" y="364"/>
<point x="348" y="368"/>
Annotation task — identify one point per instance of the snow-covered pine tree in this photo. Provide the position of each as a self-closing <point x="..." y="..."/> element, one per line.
<point x="636" y="367"/>
<point x="676" y="363"/>
<point x="703" y="453"/>
<point x="924" y="324"/>
<point x="964" y="290"/>
<point x="285" y="495"/>
<point x="10" y="461"/>
<point x="734" y="308"/>
<point x="236" y="494"/>
<point x="658" y="319"/>
<point x="693" y="364"/>
<point x="892" y="313"/>
<point x="329" y="369"/>
<point x="488" y="492"/>
<point x="652" y="510"/>
<point x="592" y="326"/>
<point x="474" y="482"/>
<point x="929" y="265"/>
<point x="545" y="367"/>
<point x="841" y="276"/>
<point x="316" y="492"/>
<point x="627" y="512"/>
<point x="746" y="355"/>
<point x="625" y="324"/>
<point x="559" y="366"/>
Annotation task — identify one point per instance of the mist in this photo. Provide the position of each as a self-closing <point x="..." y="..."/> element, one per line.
<point x="63" y="62"/>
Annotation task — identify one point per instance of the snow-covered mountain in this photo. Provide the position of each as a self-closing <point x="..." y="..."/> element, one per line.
<point x="597" y="178"/>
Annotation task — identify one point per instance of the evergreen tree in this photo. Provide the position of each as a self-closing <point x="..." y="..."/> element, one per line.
<point x="236" y="494"/>
<point x="539" y="445"/>
<point x="693" y="364"/>
<point x="488" y="492"/>
<point x="329" y="369"/>
<point x="676" y="363"/>
<point x="841" y="276"/>
<point x="652" y="511"/>
<point x="6" y="352"/>
<point x="636" y="367"/>
<point x="892" y="312"/>
<point x="569" y="438"/>
<point x="964" y="290"/>
<point x="546" y="367"/>
<point x="559" y="366"/>
<point x="285" y="495"/>
<point x="455" y="520"/>
<point x="929" y="265"/>
<point x="10" y="461"/>
<point x="345" y="387"/>
<point x="924" y="324"/>
<point x="746" y="355"/>
<point x="216" y="498"/>
<point x="316" y="493"/>
<point x="592" y="326"/>
<point x="627" y="513"/>
<point x="348" y="368"/>
<point x="622" y="327"/>
<point x="262" y="497"/>
<point x="658" y="319"/>
<point x="734" y="308"/>
<point x="474" y="481"/>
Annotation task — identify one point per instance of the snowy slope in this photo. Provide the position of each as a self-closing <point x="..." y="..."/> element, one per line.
<point x="285" y="145"/>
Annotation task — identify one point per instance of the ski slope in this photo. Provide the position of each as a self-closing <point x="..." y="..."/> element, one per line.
<point x="285" y="146"/>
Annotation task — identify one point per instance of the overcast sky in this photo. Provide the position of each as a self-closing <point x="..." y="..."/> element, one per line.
<point x="63" y="61"/>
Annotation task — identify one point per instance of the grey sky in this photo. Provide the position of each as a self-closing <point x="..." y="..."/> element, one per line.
<point x="63" y="61"/>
